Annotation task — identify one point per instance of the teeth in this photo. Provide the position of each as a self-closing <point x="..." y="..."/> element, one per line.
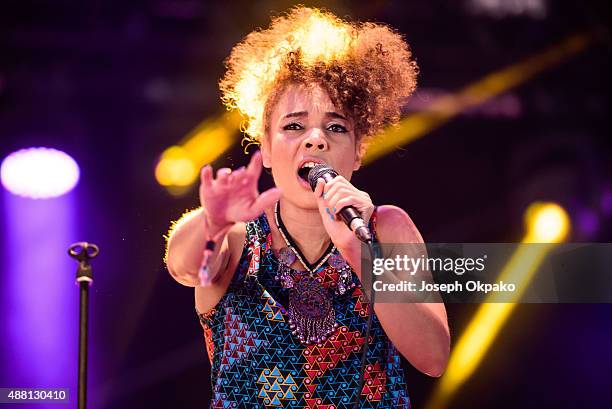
<point x="309" y="165"/>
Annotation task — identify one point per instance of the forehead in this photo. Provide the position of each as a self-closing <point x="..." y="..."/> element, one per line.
<point x="303" y="98"/>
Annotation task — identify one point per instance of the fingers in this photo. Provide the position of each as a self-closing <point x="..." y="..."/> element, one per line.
<point x="322" y="202"/>
<point x="237" y="176"/>
<point x="319" y="194"/>
<point x="265" y="200"/>
<point x="337" y="183"/>
<point x="255" y="165"/>
<point x="206" y="177"/>
<point x="341" y="203"/>
<point x="319" y="187"/>
<point x="334" y="199"/>
<point x="359" y="200"/>
<point x="223" y="175"/>
<point x="340" y="189"/>
<point x="340" y="193"/>
<point x="226" y="176"/>
<point x="227" y="182"/>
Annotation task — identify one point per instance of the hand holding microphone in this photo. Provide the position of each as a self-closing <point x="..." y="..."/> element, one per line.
<point x="344" y="199"/>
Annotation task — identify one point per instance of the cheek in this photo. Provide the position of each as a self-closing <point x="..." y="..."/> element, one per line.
<point x="282" y="152"/>
<point x="271" y="147"/>
<point x="350" y="148"/>
<point x="348" y="159"/>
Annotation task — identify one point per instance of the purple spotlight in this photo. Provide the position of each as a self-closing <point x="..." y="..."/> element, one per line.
<point x="39" y="173"/>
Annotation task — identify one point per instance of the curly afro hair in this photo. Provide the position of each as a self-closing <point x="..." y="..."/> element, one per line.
<point x="366" y="68"/>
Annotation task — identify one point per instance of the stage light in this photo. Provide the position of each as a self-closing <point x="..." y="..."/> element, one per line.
<point x="38" y="299"/>
<point x="39" y="173"/>
<point x="445" y="108"/>
<point x="175" y="168"/>
<point x="546" y="224"/>
<point x="179" y="166"/>
<point x="536" y="9"/>
<point x="202" y="147"/>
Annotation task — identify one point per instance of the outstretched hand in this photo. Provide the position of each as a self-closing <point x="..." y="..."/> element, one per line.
<point x="233" y="195"/>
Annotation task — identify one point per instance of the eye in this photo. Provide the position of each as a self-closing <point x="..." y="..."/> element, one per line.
<point x="293" y="126"/>
<point x="337" y="128"/>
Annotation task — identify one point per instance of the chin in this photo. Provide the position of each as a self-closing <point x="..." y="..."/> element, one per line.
<point x="300" y="197"/>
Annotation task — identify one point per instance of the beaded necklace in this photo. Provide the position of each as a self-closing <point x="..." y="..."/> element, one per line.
<point x="295" y="250"/>
<point x="311" y="312"/>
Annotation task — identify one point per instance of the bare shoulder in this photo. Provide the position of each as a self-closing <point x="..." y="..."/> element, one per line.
<point x="206" y="298"/>
<point x="394" y="225"/>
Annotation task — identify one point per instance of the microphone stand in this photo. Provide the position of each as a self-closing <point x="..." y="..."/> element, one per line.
<point x="83" y="252"/>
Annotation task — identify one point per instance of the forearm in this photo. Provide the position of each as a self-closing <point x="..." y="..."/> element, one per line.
<point x="231" y="199"/>
<point x="420" y="333"/>
<point x="185" y="247"/>
<point x="418" y="330"/>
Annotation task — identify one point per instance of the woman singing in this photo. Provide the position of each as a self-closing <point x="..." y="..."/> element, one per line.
<point x="278" y="290"/>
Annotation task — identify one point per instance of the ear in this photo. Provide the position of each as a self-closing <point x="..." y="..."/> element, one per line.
<point x="359" y="152"/>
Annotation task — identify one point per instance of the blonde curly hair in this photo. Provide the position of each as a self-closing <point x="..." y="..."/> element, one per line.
<point x="366" y="68"/>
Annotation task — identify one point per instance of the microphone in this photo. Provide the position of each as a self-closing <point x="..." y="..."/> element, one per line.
<point x="351" y="216"/>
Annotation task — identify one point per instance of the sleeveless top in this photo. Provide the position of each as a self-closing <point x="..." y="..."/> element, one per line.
<point x="257" y="362"/>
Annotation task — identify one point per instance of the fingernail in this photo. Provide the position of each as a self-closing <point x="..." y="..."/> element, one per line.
<point x="334" y="210"/>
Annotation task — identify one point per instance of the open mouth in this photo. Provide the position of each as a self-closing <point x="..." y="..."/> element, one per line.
<point x="305" y="169"/>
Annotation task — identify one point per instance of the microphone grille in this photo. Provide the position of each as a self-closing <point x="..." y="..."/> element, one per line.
<point x="317" y="171"/>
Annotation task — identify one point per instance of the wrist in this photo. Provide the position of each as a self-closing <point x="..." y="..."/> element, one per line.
<point x="214" y="227"/>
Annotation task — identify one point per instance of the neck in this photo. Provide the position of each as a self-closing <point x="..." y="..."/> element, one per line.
<point x="306" y="229"/>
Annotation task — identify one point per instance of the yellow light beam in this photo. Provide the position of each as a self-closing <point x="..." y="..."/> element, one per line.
<point x="547" y="224"/>
<point x="442" y="109"/>
<point x="179" y="165"/>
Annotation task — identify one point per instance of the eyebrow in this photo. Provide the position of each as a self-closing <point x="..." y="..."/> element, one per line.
<point x="304" y="113"/>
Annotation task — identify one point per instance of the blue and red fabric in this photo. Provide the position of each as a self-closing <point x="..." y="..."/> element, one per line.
<point x="257" y="362"/>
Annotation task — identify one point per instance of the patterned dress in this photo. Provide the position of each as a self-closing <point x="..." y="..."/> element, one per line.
<point x="256" y="362"/>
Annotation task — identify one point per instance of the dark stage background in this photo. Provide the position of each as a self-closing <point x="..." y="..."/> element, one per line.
<point x="116" y="83"/>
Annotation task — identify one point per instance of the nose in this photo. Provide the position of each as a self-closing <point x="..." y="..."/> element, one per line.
<point x="315" y="140"/>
